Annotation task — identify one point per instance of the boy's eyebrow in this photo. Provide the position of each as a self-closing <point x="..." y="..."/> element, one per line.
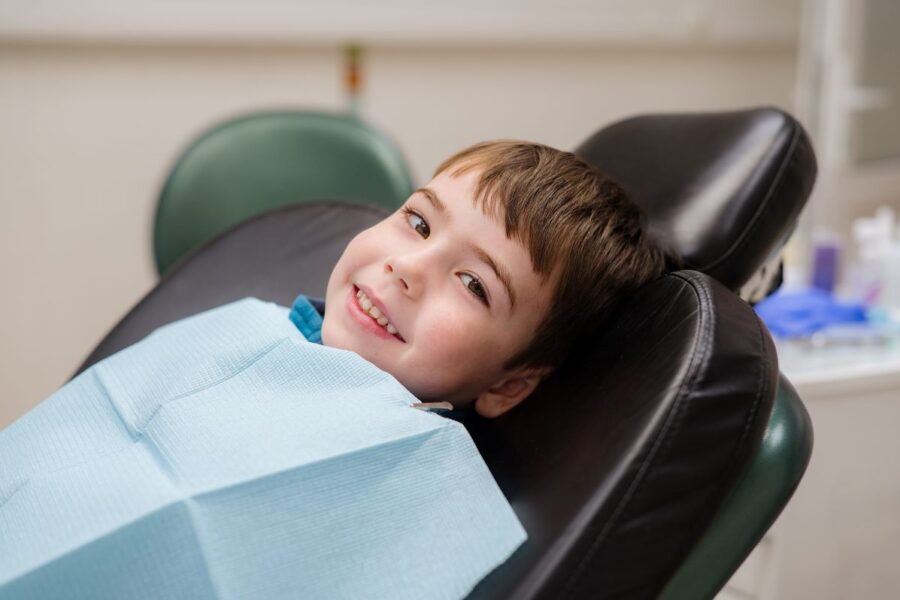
<point x="432" y="197"/>
<point x="499" y="270"/>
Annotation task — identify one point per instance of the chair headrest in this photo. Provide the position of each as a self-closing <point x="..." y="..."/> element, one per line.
<point x="723" y="190"/>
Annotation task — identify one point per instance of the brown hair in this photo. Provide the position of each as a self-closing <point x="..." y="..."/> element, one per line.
<point x="579" y="228"/>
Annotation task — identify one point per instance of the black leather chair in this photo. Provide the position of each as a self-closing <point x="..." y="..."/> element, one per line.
<point x="625" y="459"/>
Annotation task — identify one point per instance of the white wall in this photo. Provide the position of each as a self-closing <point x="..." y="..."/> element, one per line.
<point x="88" y="133"/>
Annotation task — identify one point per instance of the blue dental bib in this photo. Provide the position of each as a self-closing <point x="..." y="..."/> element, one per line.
<point x="225" y="456"/>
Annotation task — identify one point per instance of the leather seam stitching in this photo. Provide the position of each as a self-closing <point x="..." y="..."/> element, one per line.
<point x="762" y="388"/>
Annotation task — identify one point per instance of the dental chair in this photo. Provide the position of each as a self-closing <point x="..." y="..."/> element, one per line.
<point x="653" y="461"/>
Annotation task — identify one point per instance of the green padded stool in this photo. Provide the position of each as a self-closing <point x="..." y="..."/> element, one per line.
<point x="754" y="503"/>
<point x="267" y="160"/>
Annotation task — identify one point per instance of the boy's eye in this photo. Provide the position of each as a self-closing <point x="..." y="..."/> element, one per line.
<point x="416" y="221"/>
<point x="473" y="284"/>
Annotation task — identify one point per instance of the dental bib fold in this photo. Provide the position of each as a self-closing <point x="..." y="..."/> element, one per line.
<point x="225" y="456"/>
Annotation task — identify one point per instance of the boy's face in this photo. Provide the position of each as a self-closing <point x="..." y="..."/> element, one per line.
<point x="457" y="299"/>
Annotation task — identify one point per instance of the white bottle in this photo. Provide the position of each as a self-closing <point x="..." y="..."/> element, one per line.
<point x="875" y="250"/>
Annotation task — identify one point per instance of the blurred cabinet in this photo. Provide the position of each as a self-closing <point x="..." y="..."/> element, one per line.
<point x="839" y="537"/>
<point x="848" y="96"/>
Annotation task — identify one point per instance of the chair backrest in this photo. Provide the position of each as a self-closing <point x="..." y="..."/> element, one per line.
<point x="617" y="464"/>
<point x="266" y="160"/>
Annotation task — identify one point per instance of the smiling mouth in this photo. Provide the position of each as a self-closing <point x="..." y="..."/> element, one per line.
<point x="368" y="307"/>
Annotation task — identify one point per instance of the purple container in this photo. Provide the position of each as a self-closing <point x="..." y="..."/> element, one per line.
<point x="825" y="265"/>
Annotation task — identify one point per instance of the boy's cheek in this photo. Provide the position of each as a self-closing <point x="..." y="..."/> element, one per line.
<point x="451" y="341"/>
<point x="358" y="251"/>
<point x="369" y="241"/>
<point x="457" y="353"/>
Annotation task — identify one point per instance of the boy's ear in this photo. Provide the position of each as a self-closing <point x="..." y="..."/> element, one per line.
<point x="508" y="392"/>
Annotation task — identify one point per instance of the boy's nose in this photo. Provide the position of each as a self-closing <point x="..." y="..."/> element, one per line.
<point x="389" y="268"/>
<point x="406" y="274"/>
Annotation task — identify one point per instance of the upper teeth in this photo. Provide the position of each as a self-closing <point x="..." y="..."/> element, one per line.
<point x="373" y="311"/>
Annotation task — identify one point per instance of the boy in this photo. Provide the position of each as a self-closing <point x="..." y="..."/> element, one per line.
<point x="477" y="287"/>
<point x="225" y="456"/>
